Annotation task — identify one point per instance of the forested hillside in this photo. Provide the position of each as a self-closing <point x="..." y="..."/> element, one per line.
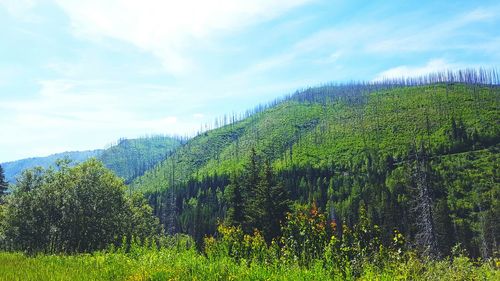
<point x="14" y="168"/>
<point x="393" y="180"/>
<point x="128" y="158"/>
<point x="420" y="155"/>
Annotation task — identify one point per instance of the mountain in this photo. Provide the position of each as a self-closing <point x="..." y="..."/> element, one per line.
<point x="128" y="158"/>
<point x="132" y="157"/>
<point x="345" y="146"/>
<point x="14" y="168"/>
<point x="332" y="126"/>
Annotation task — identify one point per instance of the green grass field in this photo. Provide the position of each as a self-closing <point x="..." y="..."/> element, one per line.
<point x="172" y="264"/>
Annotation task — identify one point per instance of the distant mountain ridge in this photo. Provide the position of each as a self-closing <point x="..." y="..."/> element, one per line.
<point x="129" y="158"/>
<point x="15" y="168"/>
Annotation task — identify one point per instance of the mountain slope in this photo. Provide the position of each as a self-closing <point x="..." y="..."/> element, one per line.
<point x="343" y="147"/>
<point x="319" y="131"/>
<point x="129" y="158"/>
<point x="132" y="157"/>
<point x="15" y="168"/>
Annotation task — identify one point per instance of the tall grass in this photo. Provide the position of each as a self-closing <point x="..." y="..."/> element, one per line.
<point x="145" y="263"/>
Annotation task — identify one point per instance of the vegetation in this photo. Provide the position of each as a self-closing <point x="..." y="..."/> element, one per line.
<point x="4" y="185"/>
<point x="395" y="180"/>
<point x="73" y="209"/>
<point x="128" y="158"/>
<point x="15" y="168"/>
<point x="176" y="258"/>
<point x="399" y="150"/>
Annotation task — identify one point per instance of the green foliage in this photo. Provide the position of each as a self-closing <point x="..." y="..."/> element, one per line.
<point x="243" y="247"/>
<point x="235" y="204"/>
<point x="342" y="147"/>
<point x="72" y="209"/>
<point x="15" y="168"/>
<point x="129" y="158"/>
<point x="311" y="243"/>
<point x="4" y="185"/>
<point x="256" y="200"/>
<point x="336" y="130"/>
<point x="234" y="256"/>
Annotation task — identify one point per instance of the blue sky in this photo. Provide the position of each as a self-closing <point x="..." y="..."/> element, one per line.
<point x="77" y="75"/>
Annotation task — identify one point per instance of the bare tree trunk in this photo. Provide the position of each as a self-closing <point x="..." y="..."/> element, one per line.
<point x="426" y="235"/>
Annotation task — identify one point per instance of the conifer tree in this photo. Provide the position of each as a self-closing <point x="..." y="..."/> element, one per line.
<point x="271" y="202"/>
<point x="235" y="205"/>
<point x="251" y="179"/>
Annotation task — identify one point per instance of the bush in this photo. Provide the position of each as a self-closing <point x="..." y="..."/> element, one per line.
<point x="73" y="209"/>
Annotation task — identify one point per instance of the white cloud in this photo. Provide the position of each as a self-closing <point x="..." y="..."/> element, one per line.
<point x="19" y="8"/>
<point x="432" y="66"/>
<point x="77" y="115"/>
<point x="376" y="36"/>
<point x="168" y="29"/>
<point x="432" y="36"/>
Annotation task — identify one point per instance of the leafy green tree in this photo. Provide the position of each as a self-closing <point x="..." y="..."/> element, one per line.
<point x="141" y="224"/>
<point x="74" y="209"/>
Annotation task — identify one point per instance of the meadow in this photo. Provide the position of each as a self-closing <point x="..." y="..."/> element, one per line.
<point x="172" y="264"/>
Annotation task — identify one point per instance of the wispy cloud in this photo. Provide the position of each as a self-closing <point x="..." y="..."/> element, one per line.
<point x="69" y="114"/>
<point x="394" y="35"/>
<point x="77" y="74"/>
<point x="21" y="9"/>
<point x="435" y="65"/>
<point x="169" y="29"/>
<point x="433" y="36"/>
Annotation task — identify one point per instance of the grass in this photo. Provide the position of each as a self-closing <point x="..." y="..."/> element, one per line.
<point x="171" y="264"/>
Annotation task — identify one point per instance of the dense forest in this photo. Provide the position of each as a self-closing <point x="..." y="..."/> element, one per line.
<point x="387" y="179"/>
<point x="398" y="148"/>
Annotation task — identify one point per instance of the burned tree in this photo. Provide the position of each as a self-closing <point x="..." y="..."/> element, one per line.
<point x="422" y="209"/>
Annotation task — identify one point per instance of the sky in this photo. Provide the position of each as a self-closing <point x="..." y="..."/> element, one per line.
<point x="78" y="75"/>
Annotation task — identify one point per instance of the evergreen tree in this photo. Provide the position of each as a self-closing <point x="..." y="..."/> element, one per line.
<point x="235" y="205"/>
<point x="271" y="204"/>
<point x="281" y="206"/>
<point x="251" y="179"/>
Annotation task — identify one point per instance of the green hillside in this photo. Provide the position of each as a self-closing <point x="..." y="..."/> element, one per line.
<point x="14" y="168"/>
<point x="319" y="132"/>
<point x="345" y="182"/>
<point x="346" y="147"/>
<point x="129" y="158"/>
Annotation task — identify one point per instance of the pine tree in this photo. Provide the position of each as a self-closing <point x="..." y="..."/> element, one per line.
<point x="269" y="205"/>
<point x="235" y="205"/>
<point x="281" y="206"/>
<point x="251" y="179"/>
<point x="257" y="201"/>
